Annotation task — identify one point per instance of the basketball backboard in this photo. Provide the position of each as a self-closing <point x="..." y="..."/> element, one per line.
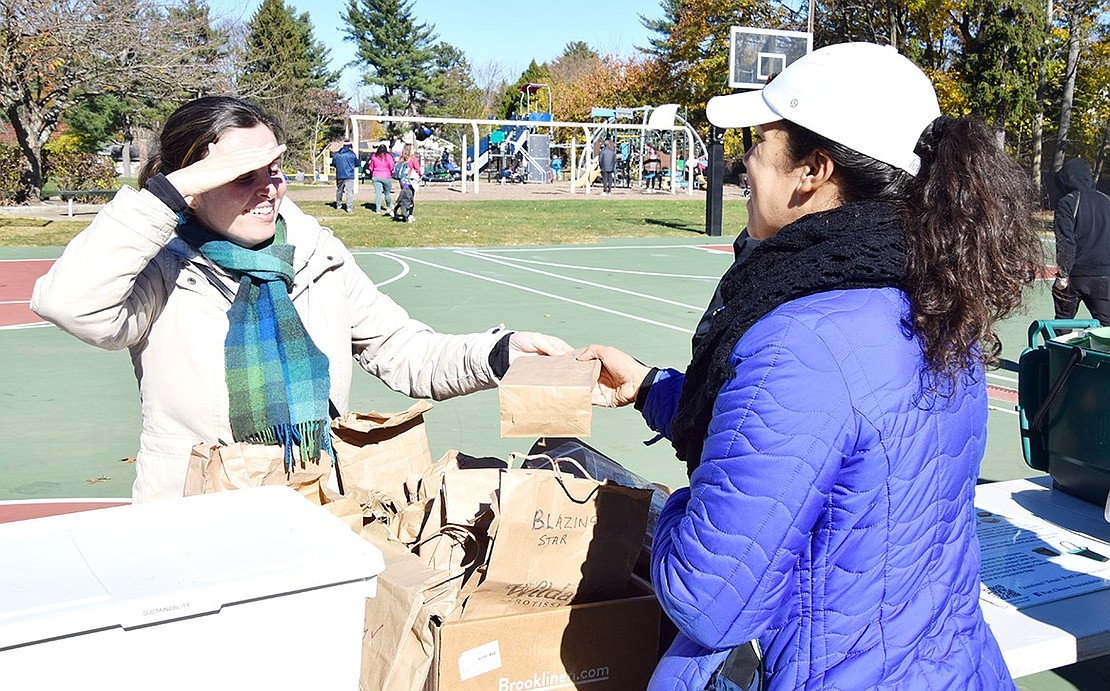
<point x="757" y="54"/>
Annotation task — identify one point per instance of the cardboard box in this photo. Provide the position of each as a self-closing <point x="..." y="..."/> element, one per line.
<point x="251" y="589"/>
<point x="603" y="646"/>
<point x="547" y="397"/>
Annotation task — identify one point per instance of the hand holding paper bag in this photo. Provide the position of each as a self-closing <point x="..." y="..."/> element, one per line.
<point x="547" y="397"/>
<point x="620" y="376"/>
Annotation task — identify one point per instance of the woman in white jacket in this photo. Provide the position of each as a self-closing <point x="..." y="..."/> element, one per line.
<point x="242" y="313"/>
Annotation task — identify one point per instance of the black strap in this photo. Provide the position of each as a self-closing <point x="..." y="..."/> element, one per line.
<point x="333" y="413"/>
<point x="1077" y="354"/>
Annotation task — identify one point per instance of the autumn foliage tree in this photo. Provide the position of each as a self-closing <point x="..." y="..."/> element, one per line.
<point x="53" y="53"/>
<point x="690" y="47"/>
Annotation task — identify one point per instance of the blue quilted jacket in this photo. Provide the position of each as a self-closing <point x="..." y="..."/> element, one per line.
<point x="831" y="517"/>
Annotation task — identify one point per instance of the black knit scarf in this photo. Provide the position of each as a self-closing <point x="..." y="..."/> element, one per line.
<point x="857" y="245"/>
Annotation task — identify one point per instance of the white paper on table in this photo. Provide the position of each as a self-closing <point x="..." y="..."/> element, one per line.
<point x="1028" y="561"/>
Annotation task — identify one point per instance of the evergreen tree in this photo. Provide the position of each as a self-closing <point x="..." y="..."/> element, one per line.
<point x="998" y="63"/>
<point x="453" y="93"/>
<point x="576" y="51"/>
<point x="283" y="64"/>
<point x="510" y="102"/>
<point x="395" y="51"/>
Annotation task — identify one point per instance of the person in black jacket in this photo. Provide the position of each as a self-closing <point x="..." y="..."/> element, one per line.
<point x="406" y="203"/>
<point x="607" y="162"/>
<point x="1082" y="226"/>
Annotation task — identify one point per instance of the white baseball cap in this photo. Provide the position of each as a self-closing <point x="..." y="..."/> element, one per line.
<point x="862" y="95"/>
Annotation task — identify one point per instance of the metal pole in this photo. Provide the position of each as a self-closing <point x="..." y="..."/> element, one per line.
<point x="688" y="171"/>
<point x="589" y="158"/>
<point x="715" y="181"/>
<point x="573" y="163"/>
<point x="354" y="138"/>
<point x="474" y="164"/>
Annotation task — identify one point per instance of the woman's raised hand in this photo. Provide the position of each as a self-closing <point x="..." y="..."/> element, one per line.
<point x="221" y="166"/>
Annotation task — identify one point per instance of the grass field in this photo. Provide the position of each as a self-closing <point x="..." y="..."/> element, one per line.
<point x="477" y="222"/>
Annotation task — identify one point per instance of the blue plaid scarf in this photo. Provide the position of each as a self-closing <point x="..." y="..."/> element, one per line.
<point x="277" y="379"/>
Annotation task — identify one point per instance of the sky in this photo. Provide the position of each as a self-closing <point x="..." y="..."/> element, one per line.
<point x="509" y="33"/>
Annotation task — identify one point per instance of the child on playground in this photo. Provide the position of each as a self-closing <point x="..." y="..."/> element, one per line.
<point x="652" y="164"/>
<point x="241" y="313"/>
<point x="406" y="203"/>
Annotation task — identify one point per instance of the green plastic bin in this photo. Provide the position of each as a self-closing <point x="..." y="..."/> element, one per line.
<point x="1064" y="408"/>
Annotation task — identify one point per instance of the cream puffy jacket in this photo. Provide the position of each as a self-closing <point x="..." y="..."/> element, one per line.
<point x="128" y="281"/>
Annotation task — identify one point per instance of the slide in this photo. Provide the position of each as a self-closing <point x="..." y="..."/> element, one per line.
<point x="510" y="137"/>
<point x="586" y="179"/>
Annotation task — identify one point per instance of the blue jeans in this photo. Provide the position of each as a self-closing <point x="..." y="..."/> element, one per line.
<point x="382" y="185"/>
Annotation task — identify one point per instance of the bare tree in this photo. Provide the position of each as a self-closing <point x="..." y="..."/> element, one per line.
<point x="1075" y="21"/>
<point x="490" y="78"/>
<point x="55" y="52"/>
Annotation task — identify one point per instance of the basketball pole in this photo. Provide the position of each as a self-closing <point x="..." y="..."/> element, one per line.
<point x="714" y="181"/>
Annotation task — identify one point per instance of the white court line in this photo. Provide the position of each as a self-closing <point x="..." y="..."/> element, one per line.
<point x="578" y="280"/>
<point x="16" y="327"/>
<point x="1007" y="377"/>
<point x="526" y="289"/>
<point x="594" y="248"/>
<point x="472" y="253"/>
<point x="579" y="267"/>
<point x="15" y="302"/>
<point x="402" y="262"/>
<point x="28" y="260"/>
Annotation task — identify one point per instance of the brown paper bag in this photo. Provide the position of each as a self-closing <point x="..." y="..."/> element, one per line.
<point x="542" y="396"/>
<point x="559" y="540"/>
<point x="381" y="451"/>
<point x="215" y="468"/>
<point x="397" y="646"/>
<point x="460" y="498"/>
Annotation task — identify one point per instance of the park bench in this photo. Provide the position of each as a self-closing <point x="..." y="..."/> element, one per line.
<point x="69" y="195"/>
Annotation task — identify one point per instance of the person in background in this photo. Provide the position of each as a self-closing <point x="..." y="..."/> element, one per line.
<point x="243" y="316"/>
<point x="833" y="418"/>
<point x="345" y="162"/>
<point x="380" y="167"/>
<point x="405" y="209"/>
<point x="1082" y="226"/>
<point x="412" y="162"/>
<point x="607" y="162"/>
<point x="556" y="167"/>
<point x="652" y="166"/>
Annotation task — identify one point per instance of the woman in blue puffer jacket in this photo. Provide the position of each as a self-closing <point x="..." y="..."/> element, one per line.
<point x="834" y="416"/>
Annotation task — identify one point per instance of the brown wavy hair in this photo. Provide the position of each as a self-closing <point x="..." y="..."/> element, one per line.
<point x="192" y="127"/>
<point x="972" y="245"/>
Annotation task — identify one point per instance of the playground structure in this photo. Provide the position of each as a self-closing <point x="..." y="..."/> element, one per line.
<point x="631" y="146"/>
<point x="520" y="149"/>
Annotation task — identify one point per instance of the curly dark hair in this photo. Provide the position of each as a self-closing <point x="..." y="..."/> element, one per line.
<point x="971" y="241"/>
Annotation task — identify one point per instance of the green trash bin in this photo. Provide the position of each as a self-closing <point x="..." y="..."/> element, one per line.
<point x="1064" y="408"/>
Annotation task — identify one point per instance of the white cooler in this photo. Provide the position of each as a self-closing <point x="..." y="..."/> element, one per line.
<point x="242" y="590"/>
